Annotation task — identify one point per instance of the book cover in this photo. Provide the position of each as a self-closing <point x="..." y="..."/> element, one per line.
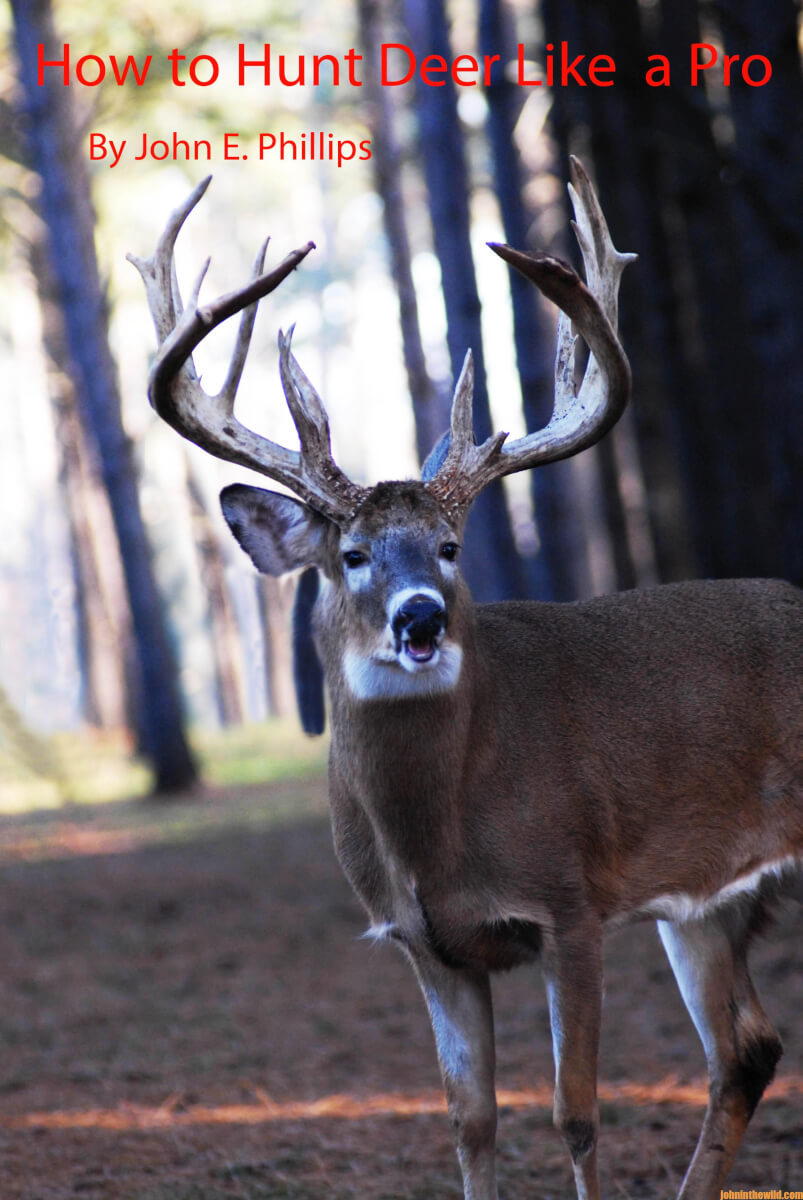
<point x="380" y="148"/>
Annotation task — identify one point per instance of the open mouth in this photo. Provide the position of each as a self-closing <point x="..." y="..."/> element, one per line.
<point x="420" y="649"/>
<point x="418" y="625"/>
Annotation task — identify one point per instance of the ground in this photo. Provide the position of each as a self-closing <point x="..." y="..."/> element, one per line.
<point x="188" y="1013"/>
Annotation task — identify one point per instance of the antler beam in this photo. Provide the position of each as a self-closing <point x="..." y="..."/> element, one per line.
<point x="175" y="390"/>
<point x="579" y="418"/>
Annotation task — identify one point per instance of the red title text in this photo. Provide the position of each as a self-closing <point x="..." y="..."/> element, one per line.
<point x="399" y="65"/>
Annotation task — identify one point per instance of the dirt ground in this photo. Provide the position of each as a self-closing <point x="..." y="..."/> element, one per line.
<point x="188" y="1014"/>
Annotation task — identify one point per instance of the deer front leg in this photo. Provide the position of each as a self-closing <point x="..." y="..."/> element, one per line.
<point x="459" y="1003"/>
<point x="572" y="968"/>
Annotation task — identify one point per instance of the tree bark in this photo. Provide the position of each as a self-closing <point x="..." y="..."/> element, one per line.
<point x="551" y="484"/>
<point x="620" y="135"/>
<point x="275" y="606"/>
<point x="103" y="619"/>
<point x="66" y="208"/>
<point x="490" y="559"/>
<point x="223" y="632"/>
<point x="764" y="182"/>
<point x="725" y="437"/>
<point x="431" y="411"/>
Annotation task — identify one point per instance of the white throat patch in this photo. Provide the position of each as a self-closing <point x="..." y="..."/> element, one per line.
<point x="371" y="678"/>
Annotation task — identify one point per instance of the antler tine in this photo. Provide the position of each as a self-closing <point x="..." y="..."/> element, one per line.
<point x="465" y="464"/>
<point x="243" y="343"/>
<point x="304" y="403"/>
<point x="462" y="420"/>
<point x="177" y="396"/>
<point x="579" y="418"/>
<point x="603" y="263"/>
<point x="158" y="271"/>
<point x="312" y="423"/>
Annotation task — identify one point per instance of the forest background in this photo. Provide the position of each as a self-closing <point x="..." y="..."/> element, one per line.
<point x="125" y="606"/>
<point x="188" y="1012"/>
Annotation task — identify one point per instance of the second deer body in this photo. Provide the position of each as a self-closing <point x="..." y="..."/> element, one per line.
<point x="507" y="780"/>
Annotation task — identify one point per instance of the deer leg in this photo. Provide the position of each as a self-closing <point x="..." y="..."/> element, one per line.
<point x="459" y="1003"/>
<point x="573" y="972"/>
<point x="709" y="959"/>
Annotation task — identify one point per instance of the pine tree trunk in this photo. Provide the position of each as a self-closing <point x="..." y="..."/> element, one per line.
<point x="275" y="606"/>
<point x="223" y="632"/>
<point x="103" y="619"/>
<point x="67" y="212"/>
<point x="431" y="411"/>
<point x="620" y="135"/>
<point x="551" y="484"/>
<point x="765" y="189"/>
<point x="490" y="559"/>
<point x="725" y="435"/>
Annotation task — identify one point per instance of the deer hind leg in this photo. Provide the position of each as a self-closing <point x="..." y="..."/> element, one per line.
<point x="709" y="959"/>
<point x="572" y="966"/>
<point x="460" y="1009"/>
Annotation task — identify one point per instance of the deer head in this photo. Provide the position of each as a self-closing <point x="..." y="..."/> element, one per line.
<point x="388" y="554"/>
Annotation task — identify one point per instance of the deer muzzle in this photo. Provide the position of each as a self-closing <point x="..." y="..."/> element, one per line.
<point x="418" y="625"/>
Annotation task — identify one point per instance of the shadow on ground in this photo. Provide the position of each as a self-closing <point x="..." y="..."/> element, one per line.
<point x="188" y="1014"/>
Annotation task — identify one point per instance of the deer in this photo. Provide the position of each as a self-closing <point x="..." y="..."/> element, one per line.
<point x="509" y="780"/>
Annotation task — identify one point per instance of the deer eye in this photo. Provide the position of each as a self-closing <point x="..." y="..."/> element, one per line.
<point x="354" y="558"/>
<point x="450" y="551"/>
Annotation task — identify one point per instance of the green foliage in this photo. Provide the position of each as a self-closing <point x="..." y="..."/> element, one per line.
<point x="91" y="768"/>
<point x="260" y="753"/>
<point x="33" y="754"/>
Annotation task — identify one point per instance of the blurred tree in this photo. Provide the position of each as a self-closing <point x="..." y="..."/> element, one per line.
<point x="717" y="429"/>
<point x="581" y="123"/>
<point x="626" y="162"/>
<point x="103" y="618"/>
<point x="490" y="559"/>
<point x="67" y="212"/>
<point x="36" y="753"/>
<point x="555" y="571"/>
<point x="619" y="136"/>
<point x="764" y="182"/>
<point x="430" y="410"/>
<point x="224" y="634"/>
<point x="275" y="598"/>
<point x="724" y="437"/>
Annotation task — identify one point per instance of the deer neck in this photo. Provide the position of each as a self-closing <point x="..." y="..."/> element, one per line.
<point x="403" y="760"/>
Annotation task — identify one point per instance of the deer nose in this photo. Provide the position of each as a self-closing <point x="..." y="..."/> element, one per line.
<point x="420" y="618"/>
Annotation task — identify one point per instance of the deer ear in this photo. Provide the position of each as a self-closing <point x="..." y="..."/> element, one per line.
<point x="278" y="532"/>
<point x="436" y="457"/>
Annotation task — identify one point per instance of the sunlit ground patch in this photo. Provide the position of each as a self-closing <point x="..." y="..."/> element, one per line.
<point x="174" y="1114"/>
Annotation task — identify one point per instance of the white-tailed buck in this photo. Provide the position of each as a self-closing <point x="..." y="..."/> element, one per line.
<point x="509" y="779"/>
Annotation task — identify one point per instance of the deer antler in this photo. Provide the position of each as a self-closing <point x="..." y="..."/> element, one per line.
<point x="579" y="418"/>
<point x="176" y="394"/>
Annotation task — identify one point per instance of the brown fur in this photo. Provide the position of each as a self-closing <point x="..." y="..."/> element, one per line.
<point x="602" y="753"/>
<point x="593" y="758"/>
<point x="510" y="778"/>
<point x="593" y="763"/>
